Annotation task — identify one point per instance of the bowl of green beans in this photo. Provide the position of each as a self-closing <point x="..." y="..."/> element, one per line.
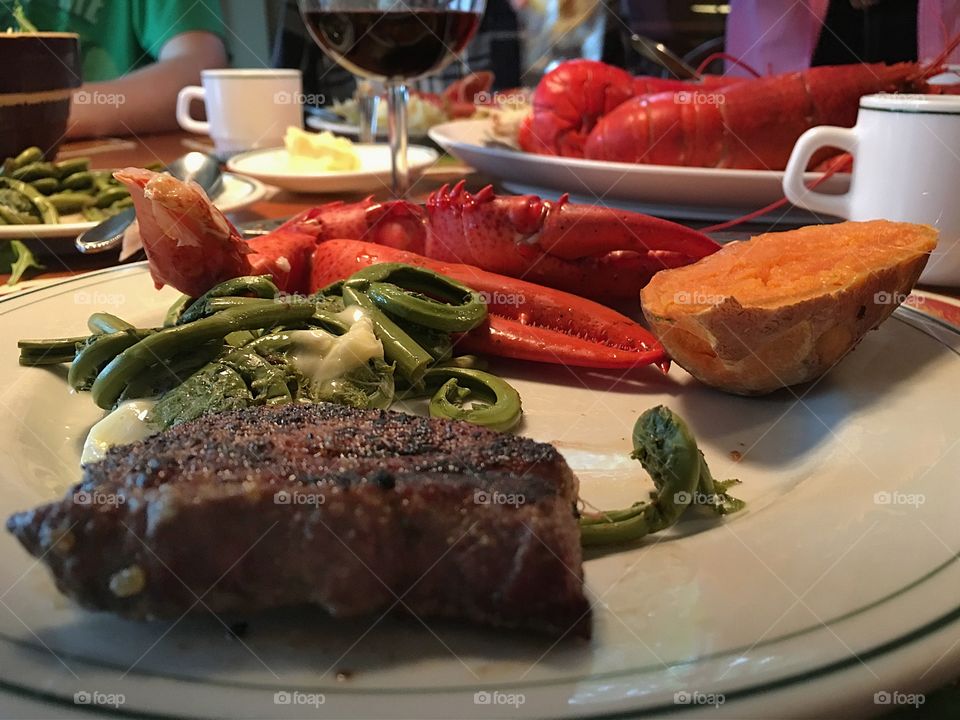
<point x="35" y="191"/>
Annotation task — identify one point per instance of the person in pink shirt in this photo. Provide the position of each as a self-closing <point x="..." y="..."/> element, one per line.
<point x="777" y="36"/>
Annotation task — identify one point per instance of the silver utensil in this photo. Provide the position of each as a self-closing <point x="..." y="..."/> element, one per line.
<point x="107" y="235"/>
<point x="662" y="55"/>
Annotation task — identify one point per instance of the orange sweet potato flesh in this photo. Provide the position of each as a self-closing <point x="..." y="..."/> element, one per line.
<point x="784" y="308"/>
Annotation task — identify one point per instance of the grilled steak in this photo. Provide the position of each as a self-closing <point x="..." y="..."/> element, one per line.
<point x="355" y="511"/>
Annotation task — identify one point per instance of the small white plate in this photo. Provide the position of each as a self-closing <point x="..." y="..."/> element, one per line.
<point x="704" y="193"/>
<point x="238" y="192"/>
<point x="275" y="167"/>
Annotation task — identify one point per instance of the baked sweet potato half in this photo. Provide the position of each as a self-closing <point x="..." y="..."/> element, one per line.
<point x="783" y="308"/>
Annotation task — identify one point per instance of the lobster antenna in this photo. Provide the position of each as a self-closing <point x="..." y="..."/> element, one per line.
<point x="729" y="58"/>
<point x="936" y="65"/>
<point x="841" y="163"/>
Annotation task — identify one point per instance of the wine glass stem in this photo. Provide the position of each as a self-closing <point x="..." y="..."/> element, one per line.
<point x="397" y="128"/>
<point x="368" y="102"/>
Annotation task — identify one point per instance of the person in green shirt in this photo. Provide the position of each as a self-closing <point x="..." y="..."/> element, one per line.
<point x="137" y="54"/>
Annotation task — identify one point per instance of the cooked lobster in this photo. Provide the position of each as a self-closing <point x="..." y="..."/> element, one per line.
<point x="750" y="125"/>
<point x="574" y="96"/>
<point x="595" y="251"/>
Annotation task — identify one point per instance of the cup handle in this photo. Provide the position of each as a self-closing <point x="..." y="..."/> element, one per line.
<point x="811" y="141"/>
<point x="186" y="121"/>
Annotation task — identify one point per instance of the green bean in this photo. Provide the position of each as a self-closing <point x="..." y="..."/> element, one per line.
<point x="259" y="286"/>
<point x="241" y="337"/>
<point x="329" y="322"/>
<point x="168" y="342"/>
<point x="46" y="186"/>
<point x="271" y="343"/>
<point x="94" y="214"/>
<point x="666" y="448"/>
<point x="411" y="359"/>
<point x="69" y="203"/>
<point x="99" y="351"/>
<point x="612" y="516"/>
<point x="66" y="168"/>
<point x="28" y="359"/>
<point x="107" y="323"/>
<point x="48" y="213"/>
<point x="78" y="181"/>
<point x="436" y="342"/>
<point x="27" y="157"/>
<point x="170" y="375"/>
<point x="501" y="407"/>
<point x="13" y="217"/>
<point x="104" y="179"/>
<point x="267" y="382"/>
<point x="49" y="352"/>
<point x="33" y="171"/>
<point x="407" y="292"/>
<point x="214" y="305"/>
<point x="176" y="310"/>
<point x="121" y="204"/>
<point x="106" y="198"/>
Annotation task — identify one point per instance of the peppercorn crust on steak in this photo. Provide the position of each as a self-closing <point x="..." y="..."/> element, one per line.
<point x="322" y="504"/>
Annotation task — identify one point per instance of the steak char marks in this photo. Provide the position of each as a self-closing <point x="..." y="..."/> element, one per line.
<point x="346" y="509"/>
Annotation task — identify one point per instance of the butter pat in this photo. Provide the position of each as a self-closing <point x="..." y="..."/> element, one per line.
<point x="320" y="152"/>
<point x="322" y="356"/>
<point x="127" y="424"/>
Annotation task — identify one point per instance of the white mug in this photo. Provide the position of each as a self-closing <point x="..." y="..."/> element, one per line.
<point x="246" y="109"/>
<point x="906" y="167"/>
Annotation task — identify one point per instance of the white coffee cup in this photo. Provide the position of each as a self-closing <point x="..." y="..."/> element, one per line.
<point x="906" y="167"/>
<point x="246" y="109"/>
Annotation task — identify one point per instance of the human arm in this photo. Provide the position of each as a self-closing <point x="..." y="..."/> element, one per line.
<point x="144" y="100"/>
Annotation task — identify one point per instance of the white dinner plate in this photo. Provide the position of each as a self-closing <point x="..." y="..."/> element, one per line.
<point x="697" y="193"/>
<point x="237" y="192"/>
<point x="274" y="166"/>
<point x="837" y="582"/>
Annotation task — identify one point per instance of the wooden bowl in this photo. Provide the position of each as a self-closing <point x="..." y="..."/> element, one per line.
<point x="40" y="71"/>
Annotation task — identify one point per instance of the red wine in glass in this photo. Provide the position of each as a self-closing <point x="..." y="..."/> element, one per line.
<point x="394" y="44"/>
<point x="406" y="41"/>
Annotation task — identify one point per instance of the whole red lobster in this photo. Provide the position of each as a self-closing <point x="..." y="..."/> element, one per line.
<point x="574" y="96"/>
<point x="749" y="125"/>
<point x="191" y="246"/>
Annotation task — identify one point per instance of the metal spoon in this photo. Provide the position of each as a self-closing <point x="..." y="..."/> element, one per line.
<point x="662" y="55"/>
<point x="196" y="166"/>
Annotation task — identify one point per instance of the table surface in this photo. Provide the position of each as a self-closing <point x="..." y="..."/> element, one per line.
<point x="281" y="204"/>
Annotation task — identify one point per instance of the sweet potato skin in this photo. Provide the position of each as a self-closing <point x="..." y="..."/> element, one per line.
<point x="750" y="347"/>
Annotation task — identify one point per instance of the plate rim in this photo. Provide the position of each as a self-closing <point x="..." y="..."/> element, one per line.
<point x="267" y="176"/>
<point x="440" y="135"/>
<point x="911" y="316"/>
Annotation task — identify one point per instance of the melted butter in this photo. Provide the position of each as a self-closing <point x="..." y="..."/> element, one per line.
<point x="127" y="424"/>
<point x="322" y="356"/>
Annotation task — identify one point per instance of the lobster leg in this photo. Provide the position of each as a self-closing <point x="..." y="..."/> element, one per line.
<point x="525" y="321"/>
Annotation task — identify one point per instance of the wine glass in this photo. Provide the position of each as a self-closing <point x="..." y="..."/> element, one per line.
<point x="393" y="41"/>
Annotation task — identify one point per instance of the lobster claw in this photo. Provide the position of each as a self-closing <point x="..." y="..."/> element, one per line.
<point x="597" y="252"/>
